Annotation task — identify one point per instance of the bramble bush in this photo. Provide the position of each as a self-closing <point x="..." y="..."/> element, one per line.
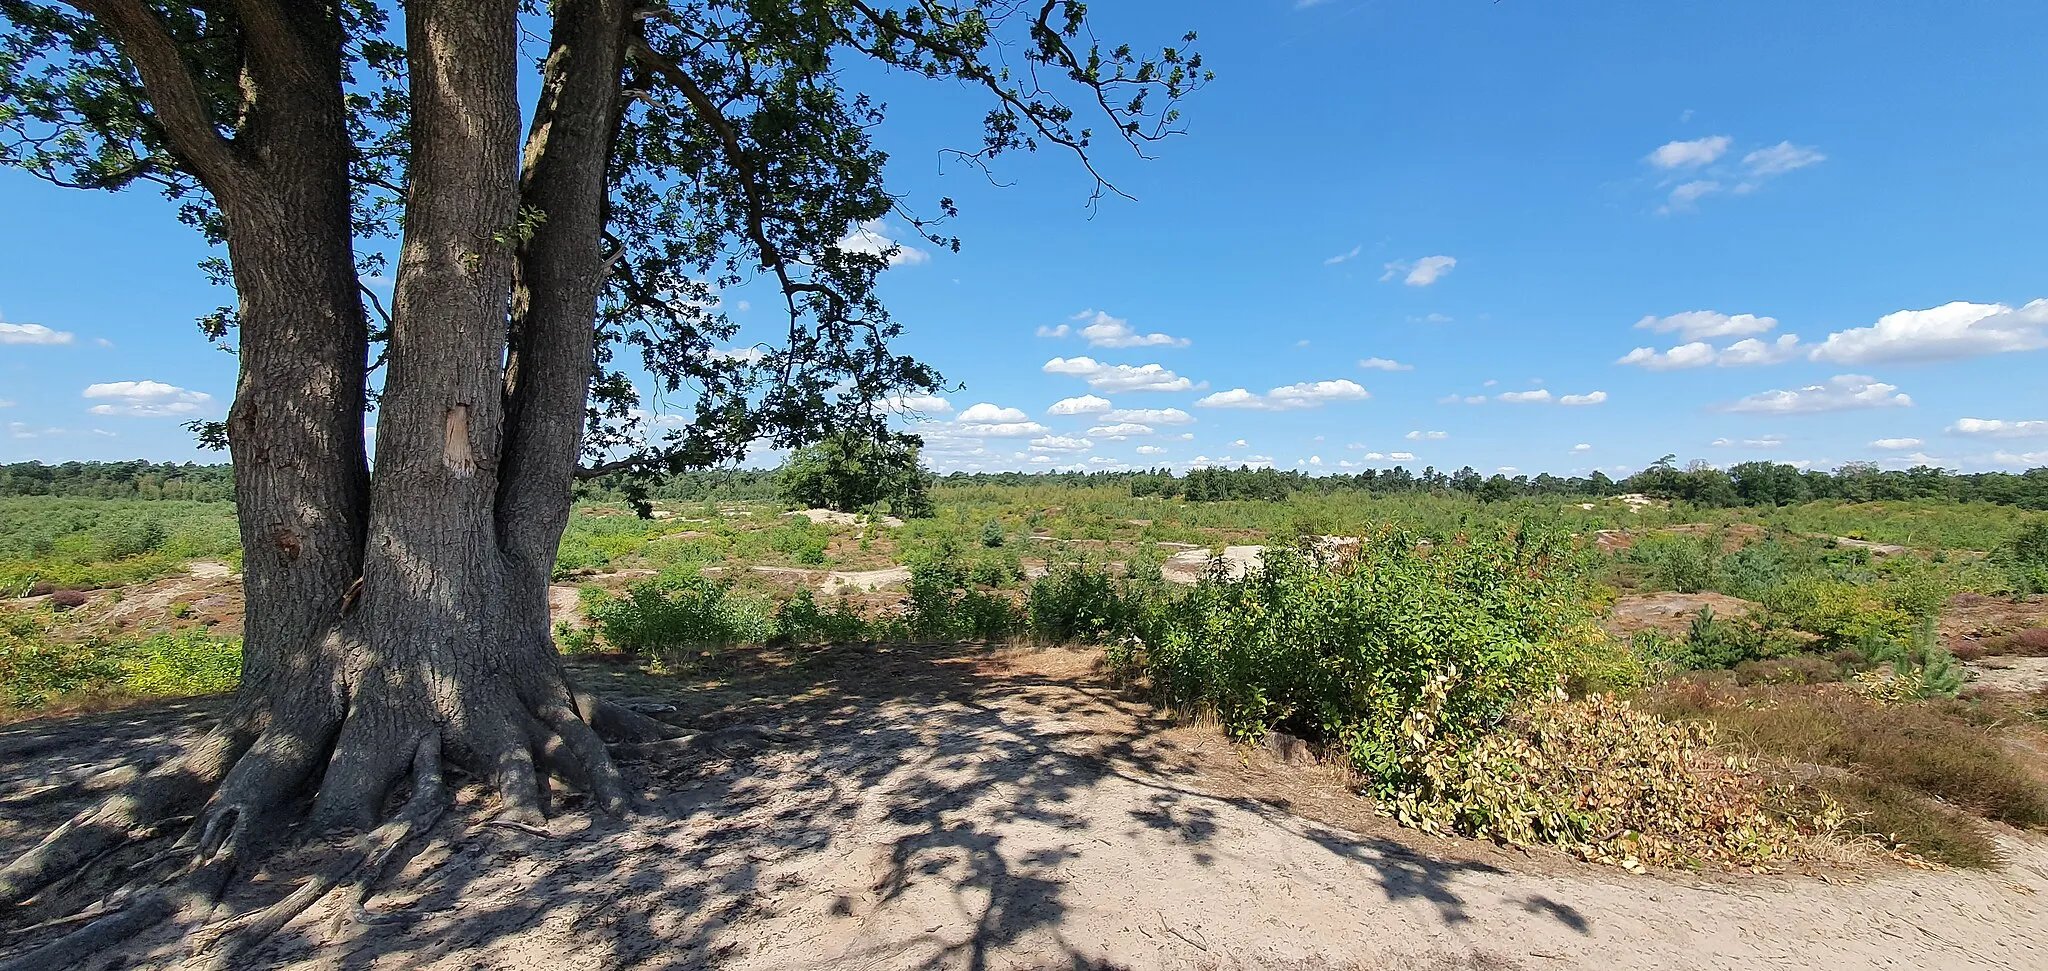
<point x="1076" y="603"/>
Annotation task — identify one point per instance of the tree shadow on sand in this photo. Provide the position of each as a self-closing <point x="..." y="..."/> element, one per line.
<point x="938" y="810"/>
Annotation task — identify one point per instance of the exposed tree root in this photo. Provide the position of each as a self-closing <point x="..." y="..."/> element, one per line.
<point x="362" y="864"/>
<point x="233" y="786"/>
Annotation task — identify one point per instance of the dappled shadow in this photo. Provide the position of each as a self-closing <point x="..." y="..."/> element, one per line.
<point x="941" y="809"/>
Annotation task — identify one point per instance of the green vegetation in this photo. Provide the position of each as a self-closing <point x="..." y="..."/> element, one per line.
<point x="1452" y="657"/>
<point x="850" y="473"/>
<point x="37" y="668"/>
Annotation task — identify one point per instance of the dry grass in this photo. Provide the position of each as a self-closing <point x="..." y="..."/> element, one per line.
<point x="1906" y="768"/>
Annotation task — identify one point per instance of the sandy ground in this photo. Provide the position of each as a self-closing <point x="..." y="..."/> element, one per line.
<point x="985" y="810"/>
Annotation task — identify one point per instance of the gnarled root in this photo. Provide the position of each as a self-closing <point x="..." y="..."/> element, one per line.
<point x="362" y="864"/>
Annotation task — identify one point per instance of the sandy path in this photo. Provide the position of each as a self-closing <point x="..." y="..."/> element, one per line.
<point x="1002" y="812"/>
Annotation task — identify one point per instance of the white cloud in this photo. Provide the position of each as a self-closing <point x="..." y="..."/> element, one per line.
<point x="1060" y="331"/>
<point x="1952" y="330"/>
<point x="1580" y="400"/>
<point x="145" y="399"/>
<point x="1102" y="330"/>
<point x="1060" y="443"/>
<point x="1998" y="428"/>
<point x="1150" y="450"/>
<point x="1780" y="159"/>
<point x="1422" y="436"/>
<point x="1767" y="441"/>
<point x="1841" y="393"/>
<point x="1536" y="397"/>
<point x="1507" y="470"/>
<point x="1121" y="430"/>
<point x="1345" y="257"/>
<point x="986" y="412"/>
<point x="1240" y="443"/>
<point x="1692" y="154"/>
<point x="1384" y="364"/>
<point x="1086" y="404"/>
<point x="1399" y="456"/>
<point x="6" y="403"/>
<point x="1694" y="325"/>
<point x="1420" y="273"/>
<point x="871" y="237"/>
<point x="1431" y="319"/>
<point x="1754" y="353"/>
<point x="1896" y="444"/>
<point x="1581" y="448"/>
<point x="1695" y="354"/>
<point x="1150" y="416"/>
<point x="1313" y="460"/>
<point x="1686" y="196"/>
<point x="1120" y="377"/>
<point x="2020" y="459"/>
<point x="1307" y="394"/>
<point x="32" y="334"/>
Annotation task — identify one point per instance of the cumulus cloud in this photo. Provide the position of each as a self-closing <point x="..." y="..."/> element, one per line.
<point x="1086" y="404"/>
<point x="1420" y="273"/>
<point x="145" y="399"/>
<point x="744" y="355"/>
<point x="32" y="334"/>
<point x="993" y="421"/>
<point x="1400" y="456"/>
<point x="1998" y="428"/>
<point x="1581" y="448"/>
<point x="1767" y="441"/>
<point x="1060" y="443"/>
<point x="1422" y="436"/>
<point x="1952" y="330"/>
<point x="1581" y="400"/>
<point x="1345" y="257"/>
<point x="1896" y="444"/>
<point x="1843" y="392"/>
<point x="1685" y="196"/>
<point x="1060" y="331"/>
<point x="1780" y="159"/>
<point x="871" y="237"/>
<point x="1102" y="330"/>
<point x="1120" y="431"/>
<point x="1384" y="364"/>
<point x="1536" y="397"/>
<point x="1120" y="377"/>
<point x="1692" y="154"/>
<point x="1307" y="394"/>
<point x="1150" y="416"/>
<point x="1150" y="450"/>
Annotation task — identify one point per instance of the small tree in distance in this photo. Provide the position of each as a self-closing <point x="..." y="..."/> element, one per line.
<point x="850" y="473"/>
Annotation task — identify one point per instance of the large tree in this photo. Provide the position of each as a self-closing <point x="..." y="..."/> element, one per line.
<point x="397" y="610"/>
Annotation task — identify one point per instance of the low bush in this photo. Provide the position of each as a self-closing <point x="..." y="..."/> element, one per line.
<point x="799" y="620"/>
<point x="1079" y="604"/>
<point x="943" y="606"/>
<point x="36" y="669"/>
<point x="1601" y="779"/>
<point x="680" y="609"/>
<point x="1928" y="748"/>
<point x="1343" y="653"/>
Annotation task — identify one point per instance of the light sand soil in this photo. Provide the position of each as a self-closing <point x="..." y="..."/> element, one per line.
<point x="1671" y="613"/>
<point x="1009" y="810"/>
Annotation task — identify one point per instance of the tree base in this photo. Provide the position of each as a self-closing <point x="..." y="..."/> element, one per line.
<point x="168" y="844"/>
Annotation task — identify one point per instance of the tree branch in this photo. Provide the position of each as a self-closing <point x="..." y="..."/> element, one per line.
<point x="173" y="93"/>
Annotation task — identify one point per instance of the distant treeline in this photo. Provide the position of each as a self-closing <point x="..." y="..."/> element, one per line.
<point x="1747" y="484"/>
<point x="119" y="480"/>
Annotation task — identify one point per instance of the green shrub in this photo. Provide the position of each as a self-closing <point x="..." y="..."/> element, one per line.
<point x="2025" y="558"/>
<point x="1919" y="666"/>
<point x="941" y="608"/>
<point x="992" y="534"/>
<point x="680" y="609"/>
<point x="35" y="669"/>
<point x="187" y="662"/>
<point x="800" y="621"/>
<point x="1343" y="654"/>
<point x="1077" y="604"/>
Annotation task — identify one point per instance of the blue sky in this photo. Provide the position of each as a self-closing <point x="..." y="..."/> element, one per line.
<point x="1537" y="236"/>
